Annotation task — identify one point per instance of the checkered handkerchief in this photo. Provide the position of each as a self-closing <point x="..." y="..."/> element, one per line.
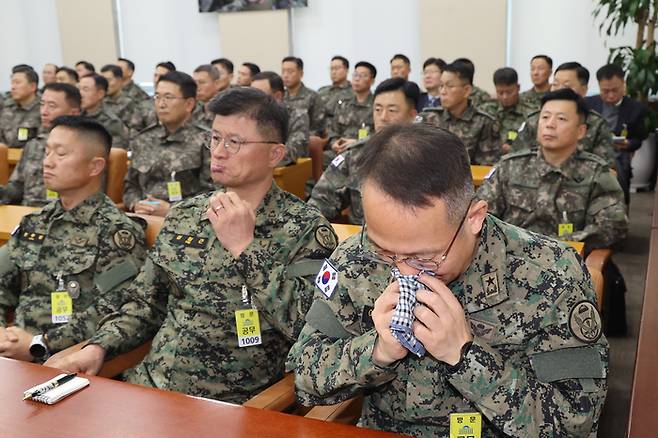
<point x="404" y="312"/>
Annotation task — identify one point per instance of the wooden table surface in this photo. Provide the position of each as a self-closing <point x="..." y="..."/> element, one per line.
<point x="14" y="155"/>
<point x="108" y="408"/>
<point x="10" y="216"/>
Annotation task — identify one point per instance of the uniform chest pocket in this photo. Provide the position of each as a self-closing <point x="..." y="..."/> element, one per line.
<point x="522" y="197"/>
<point x="573" y="199"/>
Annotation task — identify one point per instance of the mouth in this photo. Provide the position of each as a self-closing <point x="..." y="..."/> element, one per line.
<point x="48" y="175"/>
<point x="217" y="168"/>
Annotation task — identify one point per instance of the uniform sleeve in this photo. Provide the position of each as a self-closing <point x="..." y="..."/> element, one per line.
<point x="333" y="130"/>
<point x="330" y="193"/>
<point x="527" y="136"/>
<point x="115" y="269"/>
<point x="9" y="283"/>
<point x="556" y="386"/>
<point x="316" y="115"/>
<point x="489" y="146"/>
<point x="12" y="193"/>
<point x="205" y="176"/>
<point x="283" y="288"/>
<point x="492" y="190"/>
<point x="603" y="145"/>
<point x="606" y="218"/>
<point x="132" y="190"/>
<point x="298" y="137"/>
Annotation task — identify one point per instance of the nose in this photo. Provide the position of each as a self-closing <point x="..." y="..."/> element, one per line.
<point x="406" y="269"/>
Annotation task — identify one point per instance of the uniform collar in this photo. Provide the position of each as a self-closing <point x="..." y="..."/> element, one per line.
<point x="467" y="115"/>
<point x="567" y="169"/>
<point x="81" y="213"/>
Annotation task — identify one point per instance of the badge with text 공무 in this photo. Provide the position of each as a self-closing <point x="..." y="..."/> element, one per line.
<point x="327" y="279"/>
<point x="247" y="327"/>
<point x="61" y="306"/>
<point x="467" y="425"/>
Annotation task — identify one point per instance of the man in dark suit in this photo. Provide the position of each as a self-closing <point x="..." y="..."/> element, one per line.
<point x="624" y="115"/>
<point x="432" y="69"/>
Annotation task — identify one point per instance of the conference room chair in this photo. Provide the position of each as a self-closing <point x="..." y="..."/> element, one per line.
<point x="293" y="178"/>
<point x="117" y="166"/>
<point x="4" y="164"/>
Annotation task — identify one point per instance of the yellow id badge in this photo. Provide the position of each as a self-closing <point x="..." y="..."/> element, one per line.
<point x="247" y="327"/>
<point x="174" y="191"/>
<point x="467" y="425"/>
<point x="61" y="306"/>
<point x="363" y="133"/>
<point x="51" y="195"/>
<point x="564" y="229"/>
<point x="511" y="135"/>
<point x="23" y="134"/>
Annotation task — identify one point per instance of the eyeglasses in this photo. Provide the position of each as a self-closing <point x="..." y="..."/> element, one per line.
<point x="430" y="264"/>
<point x="232" y="144"/>
<point x="167" y="98"/>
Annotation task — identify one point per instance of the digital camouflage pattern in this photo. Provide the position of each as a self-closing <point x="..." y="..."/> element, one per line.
<point x="478" y="130"/>
<point x="156" y="154"/>
<point x="479" y="97"/>
<point x="135" y="92"/>
<point x="25" y="185"/>
<point x="525" y="371"/>
<point x="83" y="243"/>
<point x="597" y="140"/>
<point x="190" y="287"/>
<point x="298" y="136"/>
<point x="117" y="129"/>
<point x="339" y="187"/>
<point x="329" y="96"/>
<point x="527" y="191"/>
<point x="509" y="119"/>
<point x="350" y="116"/>
<point x="532" y="99"/>
<point x="307" y="100"/>
<point x="121" y="106"/>
<point x="18" y="124"/>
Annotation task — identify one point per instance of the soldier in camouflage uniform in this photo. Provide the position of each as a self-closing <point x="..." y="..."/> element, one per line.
<point x="207" y="78"/>
<point x="298" y="122"/>
<point x="143" y="116"/>
<point x="339" y="90"/>
<point x="478" y="96"/>
<point x="25" y="185"/>
<point x="129" y="87"/>
<point x="173" y="152"/>
<point x="19" y="119"/>
<point x="541" y="68"/>
<point x="508" y="109"/>
<point x="251" y="245"/>
<point x="298" y="96"/>
<point x="478" y="130"/>
<point x="93" y="89"/>
<point x="80" y="247"/>
<point x="116" y="101"/>
<point x="508" y="325"/>
<point x="340" y="186"/>
<point x="597" y="140"/>
<point x="559" y="190"/>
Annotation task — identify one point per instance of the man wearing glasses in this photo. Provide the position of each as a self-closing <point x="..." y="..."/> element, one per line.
<point x="440" y="309"/>
<point x="169" y="160"/>
<point x="247" y="252"/>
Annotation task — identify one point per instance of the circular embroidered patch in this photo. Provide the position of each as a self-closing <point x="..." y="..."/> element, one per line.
<point x="585" y="322"/>
<point x="124" y="239"/>
<point x="326" y="238"/>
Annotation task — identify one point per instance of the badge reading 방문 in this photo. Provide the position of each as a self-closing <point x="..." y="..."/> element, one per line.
<point x="585" y="322"/>
<point x="326" y="238"/>
<point x="124" y="239"/>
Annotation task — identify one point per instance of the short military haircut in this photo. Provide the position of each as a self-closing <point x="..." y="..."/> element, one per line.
<point x="166" y="64"/>
<point x="31" y="76"/>
<point x="546" y="58"/>
<point x="505" y="76"/>
<point x="183" y="80"/>
<point x="369" y="66"/>
<point x="395" y="160"/>
<point x="342" y="60"/>
<point x="224" y="62"/>
<point x="99" y="81"/>
<point x="401" y="57"/>
<point x="210" y="69"/>
<point x="93" y="132"/>
<point x="129" y="63"/>
<point x="253" y="68"/>
<point x="568" y="94"/>
<point x="298" y="61"/>
<point x="440" y="63"/>
<point x="581" y="72"/>
<point x="408" y="88"/>
<point x="275" y="81"/>
<point x="467" y="62"/>
<point x="271" y="117"/>
<point x="71" y="92"/>
<point x="114" y="69"/>
<point x="610" y="71"/>
<point x="71" y="73"/>
<point x="87" y="65"/>
<point x="462" y="70"/>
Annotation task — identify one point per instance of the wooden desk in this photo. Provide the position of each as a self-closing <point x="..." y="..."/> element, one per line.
<point x="479" y="172"/>
<point x="13" y="157"/>
<point x="108" y="408"/>
<point x="10" y="216"/>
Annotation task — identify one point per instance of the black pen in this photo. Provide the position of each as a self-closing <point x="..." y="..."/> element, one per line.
<point x="50" y="386"/>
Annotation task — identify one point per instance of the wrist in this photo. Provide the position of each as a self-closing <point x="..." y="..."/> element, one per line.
<point x="379" y="356"/>
<point x="456" y="366"/>
<point x="95" y="349"/>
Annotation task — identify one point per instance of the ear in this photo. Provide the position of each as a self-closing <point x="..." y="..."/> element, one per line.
<point x="278" y="96"/>
<point x="469" y="89"/>
<point x="277" y="152"/>
<point x="475" y="217"/>
<point x="582" y="130"/>
<point x="96" y="166"/>
<point x="189" y="104"/>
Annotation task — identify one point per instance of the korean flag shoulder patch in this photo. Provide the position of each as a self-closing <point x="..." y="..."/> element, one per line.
<point x="327" y="278"/>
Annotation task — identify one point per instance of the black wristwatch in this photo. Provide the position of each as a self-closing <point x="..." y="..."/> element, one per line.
<point x="39" y="348"/>
<point x="465" y="349"/>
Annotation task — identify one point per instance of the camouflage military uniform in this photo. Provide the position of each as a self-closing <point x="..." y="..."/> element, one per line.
<point x="532" y="99"/>
<point x="509" y="119"/>
<point x="135" y="92"/>
<point x="117" y="129"/>
<point x="525" y="190"/>
<point x="478" y="130"/>
<point x="339" y="186"/>
<point x="307" y="100"/>
<point x="597" y="140"/>
<point x="156" y="154"/>
<point x="17" y="124"/>
<point x="95" y="247"/>
<point x="25" y="185"/>
<point x="349" y="117"/>
<point x="479" y="97"/>
<point x="121" y="106"/>
<point x="533" y="369"/>
<point x="190" y="287"/>
<point x="202" y="117"/>
<point x="329" y="96"/>
<point x="142" y="117"/>
<point x="298" y="136"/>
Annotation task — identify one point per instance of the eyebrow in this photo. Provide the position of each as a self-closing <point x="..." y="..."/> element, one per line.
<point x="414" y="255"/>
